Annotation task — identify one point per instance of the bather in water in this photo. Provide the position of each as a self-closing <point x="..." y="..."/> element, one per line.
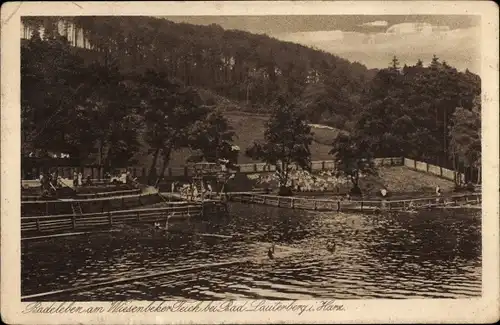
<point x="270" y="252"/>
<point x="330" y="246"/>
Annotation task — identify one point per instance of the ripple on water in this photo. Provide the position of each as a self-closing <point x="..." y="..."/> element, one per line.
<point x="431" y="254"/>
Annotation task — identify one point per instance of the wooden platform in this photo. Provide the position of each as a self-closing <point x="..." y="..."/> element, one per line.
<point x="36" y="226"/>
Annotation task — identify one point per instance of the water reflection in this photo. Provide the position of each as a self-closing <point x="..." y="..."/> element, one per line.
<point x="399" y="255"/>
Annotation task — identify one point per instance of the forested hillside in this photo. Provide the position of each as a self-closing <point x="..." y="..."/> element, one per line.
<point x="252" y="69"/>
<point x="124" y="94"/>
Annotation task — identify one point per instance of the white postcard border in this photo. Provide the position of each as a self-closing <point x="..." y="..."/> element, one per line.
<point x="484" y="309"/>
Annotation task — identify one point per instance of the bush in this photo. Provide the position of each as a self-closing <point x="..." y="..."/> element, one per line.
<point x="355" y="191"/>
<point x="285" y="191"/>
<point x="462" y="188"/>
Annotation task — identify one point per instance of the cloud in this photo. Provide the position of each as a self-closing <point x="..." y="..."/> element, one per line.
<point x="412" y="28"/>
<point x="408" y="41"/>
<point x="315" y="37"/>
<point x="378" y="23"/>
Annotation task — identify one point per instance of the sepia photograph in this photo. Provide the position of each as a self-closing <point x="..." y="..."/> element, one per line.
<point x="253" y="160"/>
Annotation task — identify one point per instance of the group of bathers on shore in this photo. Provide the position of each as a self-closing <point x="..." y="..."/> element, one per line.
<point x="51" y="181"/>
<point x="191" y="191"/>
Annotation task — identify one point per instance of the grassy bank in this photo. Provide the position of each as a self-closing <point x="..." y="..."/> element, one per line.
<point x="399" y="180"/>
<point x="248" y="128"/>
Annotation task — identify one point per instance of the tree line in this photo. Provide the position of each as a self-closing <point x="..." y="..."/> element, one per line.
<point x="420" y="112"/>
<point x="98" y="112"/>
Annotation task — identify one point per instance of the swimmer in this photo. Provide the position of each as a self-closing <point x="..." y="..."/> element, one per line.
<point x="330" y="246"/>
<point x="270" y="253"/>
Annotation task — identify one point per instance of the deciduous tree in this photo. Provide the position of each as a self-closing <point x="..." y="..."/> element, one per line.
<point x="286" y="141"/>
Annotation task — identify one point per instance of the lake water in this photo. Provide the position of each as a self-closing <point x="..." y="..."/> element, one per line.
<point x="398" y="255"/>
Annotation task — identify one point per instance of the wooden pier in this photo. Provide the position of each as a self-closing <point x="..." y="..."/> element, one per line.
<point x="355" y="206"/>
<point x="56" y="224"/>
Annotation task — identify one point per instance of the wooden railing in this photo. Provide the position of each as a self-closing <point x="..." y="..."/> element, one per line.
<point x="27" y="198"/>
<point x="86" y="221"/>
<point x="41" y="206"/>
<point x="347" y="205"/>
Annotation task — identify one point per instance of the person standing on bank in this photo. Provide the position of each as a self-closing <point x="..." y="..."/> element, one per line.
<point x="438" y="193"/>
<point x="75" y="179"/>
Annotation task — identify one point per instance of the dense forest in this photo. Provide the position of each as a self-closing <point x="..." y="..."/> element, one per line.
<point x="410" y="111"/>
<point x="131" y="73"/>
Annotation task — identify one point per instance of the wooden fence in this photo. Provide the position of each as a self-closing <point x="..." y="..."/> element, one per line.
<point x="40" y="206"/>
<point x="353" y="206"/>
<point x="85" y="221"/>
<point x="102" y="220"/>
<point x="26" y="198"/>
<point x="97" y="173"/>
<point x="433" y="169"/>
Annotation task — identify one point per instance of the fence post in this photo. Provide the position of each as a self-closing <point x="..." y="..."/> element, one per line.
<point x="323" y="165"/>
<point x="38" y="224"/>
<point x="74" y="222"/>
<point x="278" y="201"/>
<point x="361" y="205"/>
<point x="47" y="208"/>
<point x="292" y="203"/>
<point x="110" y="216"/>
<point x="254" y="167"/>
<point x="315" y="205"/>
<point x="138" y="216"/>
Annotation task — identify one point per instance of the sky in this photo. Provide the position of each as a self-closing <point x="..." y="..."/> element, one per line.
<point x="368" y="39"/>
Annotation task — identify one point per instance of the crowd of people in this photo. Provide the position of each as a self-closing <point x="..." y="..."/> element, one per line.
<point x="51" y="181"/>
<point x="191" y="192"/>
<point x="303" y="181"/>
